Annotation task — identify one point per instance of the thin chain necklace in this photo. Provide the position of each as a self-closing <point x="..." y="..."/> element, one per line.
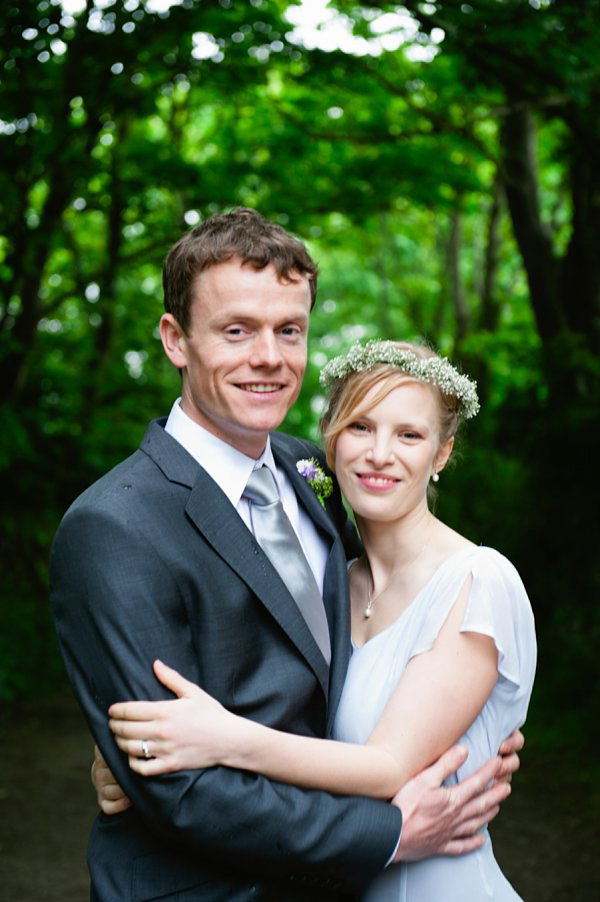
<point x="368" y="611"/>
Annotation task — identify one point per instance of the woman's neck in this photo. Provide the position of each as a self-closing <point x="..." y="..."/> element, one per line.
<point x="392" y="547"/>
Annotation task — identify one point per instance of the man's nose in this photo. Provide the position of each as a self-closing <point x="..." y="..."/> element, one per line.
<point x="266" y="350"/>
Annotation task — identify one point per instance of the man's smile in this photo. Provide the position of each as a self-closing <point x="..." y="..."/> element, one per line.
<point x="260" y="387"/>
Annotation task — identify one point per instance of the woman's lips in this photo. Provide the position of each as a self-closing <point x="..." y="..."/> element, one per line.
<point x="377" y="481"/>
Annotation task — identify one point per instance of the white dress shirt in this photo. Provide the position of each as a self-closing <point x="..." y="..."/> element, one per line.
<point x="231" y="470"/>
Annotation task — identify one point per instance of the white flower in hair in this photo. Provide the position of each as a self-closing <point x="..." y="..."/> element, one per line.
<point x="434" y="370"/>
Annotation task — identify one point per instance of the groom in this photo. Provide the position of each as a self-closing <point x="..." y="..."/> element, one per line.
<point x="157" y="559"/>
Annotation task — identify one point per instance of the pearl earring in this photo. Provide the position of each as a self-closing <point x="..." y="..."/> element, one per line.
<point x="435" y="477"/>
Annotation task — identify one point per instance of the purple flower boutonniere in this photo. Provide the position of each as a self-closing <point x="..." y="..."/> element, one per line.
<point x="320" y="483"/>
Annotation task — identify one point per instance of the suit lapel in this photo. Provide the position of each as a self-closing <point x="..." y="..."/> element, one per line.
<point x="217" y="520"/>
<point x="287" y="460"/>
<point x="168" y="455"/>
<point x="220" y="524"/>
<point x="337" y="600"/>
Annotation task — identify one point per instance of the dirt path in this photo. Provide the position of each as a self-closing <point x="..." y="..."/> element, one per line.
<point x="46" y="804"/>
<point x="546" y="839"/>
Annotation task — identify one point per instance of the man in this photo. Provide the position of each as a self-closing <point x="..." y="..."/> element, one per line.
<point x="158" y="559"/>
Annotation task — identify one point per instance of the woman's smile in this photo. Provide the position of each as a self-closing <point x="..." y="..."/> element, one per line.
<point x="378" y="482"/>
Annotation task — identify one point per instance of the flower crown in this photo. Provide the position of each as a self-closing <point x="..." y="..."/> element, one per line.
<point x="434" y="370"/>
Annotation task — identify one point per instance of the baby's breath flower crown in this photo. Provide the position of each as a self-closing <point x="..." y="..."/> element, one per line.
<point x="434" y="370"/>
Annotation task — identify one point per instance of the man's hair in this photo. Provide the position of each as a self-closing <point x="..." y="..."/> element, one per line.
<point x="242" y="234"/>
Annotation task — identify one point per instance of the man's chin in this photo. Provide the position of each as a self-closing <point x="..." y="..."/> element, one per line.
<point x="263" y="410"/>
<point x="249" y="434"/>
<point x="263" y="425"/>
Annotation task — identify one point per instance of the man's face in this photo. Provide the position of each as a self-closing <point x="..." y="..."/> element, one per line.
<point x="245" y="355"/>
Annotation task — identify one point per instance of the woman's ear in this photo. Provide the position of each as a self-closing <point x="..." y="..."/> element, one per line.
<point x="173" y="340"/>
<point x="443" y="455"/>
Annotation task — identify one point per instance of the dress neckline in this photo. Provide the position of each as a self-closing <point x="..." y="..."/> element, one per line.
<point x="451" y="557"/>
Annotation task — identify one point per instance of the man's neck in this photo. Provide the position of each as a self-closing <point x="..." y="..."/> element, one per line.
<point x="249" y="444"/>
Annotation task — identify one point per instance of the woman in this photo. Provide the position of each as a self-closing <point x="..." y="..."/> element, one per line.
<point x="443" y="634"/>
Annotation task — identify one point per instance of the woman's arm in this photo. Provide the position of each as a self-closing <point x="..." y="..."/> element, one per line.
<point x="195" y="731"/>
<point x="436" y="700"/>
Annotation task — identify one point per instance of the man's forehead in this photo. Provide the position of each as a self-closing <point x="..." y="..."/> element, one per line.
<point x="235" y="271"/>
<point x="231" y="284"/>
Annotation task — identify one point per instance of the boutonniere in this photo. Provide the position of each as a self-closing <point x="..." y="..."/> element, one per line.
<point x="320" y="483"/>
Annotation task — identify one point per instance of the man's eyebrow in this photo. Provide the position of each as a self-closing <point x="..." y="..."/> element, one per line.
<point x="234" y="315"/>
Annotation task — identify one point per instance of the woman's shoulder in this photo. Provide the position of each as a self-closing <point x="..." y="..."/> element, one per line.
<point x="497" y="589"/>
<point x="493" y="574"/>
<point x="487" y="559"/>
<point x="499" y="606"/>
<point x="458" y="557"/>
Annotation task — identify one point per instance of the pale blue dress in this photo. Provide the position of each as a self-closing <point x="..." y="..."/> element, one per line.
<point x="498" y="607"/>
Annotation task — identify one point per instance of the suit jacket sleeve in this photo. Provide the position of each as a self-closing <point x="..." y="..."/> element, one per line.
<point x="117" y="607"/>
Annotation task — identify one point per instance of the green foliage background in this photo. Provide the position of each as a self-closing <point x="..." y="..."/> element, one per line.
<point x="447" y="188"/>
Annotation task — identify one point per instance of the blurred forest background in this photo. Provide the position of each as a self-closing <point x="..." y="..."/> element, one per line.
<point x="441" y="161"/>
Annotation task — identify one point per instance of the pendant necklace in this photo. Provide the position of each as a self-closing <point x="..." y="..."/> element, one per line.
<point x="368" y="611"/>
<point x="369" y="608"/>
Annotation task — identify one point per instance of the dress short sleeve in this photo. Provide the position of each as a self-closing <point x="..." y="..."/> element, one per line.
<point x="497" y="606"/>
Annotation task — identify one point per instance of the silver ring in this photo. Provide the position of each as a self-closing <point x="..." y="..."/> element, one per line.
<point x="145" y="750"/>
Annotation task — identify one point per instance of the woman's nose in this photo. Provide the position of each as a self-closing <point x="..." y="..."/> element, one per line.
<point x="380" y="451"/>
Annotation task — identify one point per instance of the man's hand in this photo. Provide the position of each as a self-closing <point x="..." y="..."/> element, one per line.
<point x="510" y="759"/>
<point x="440" y="820"/>
<point x="111" y="797"/>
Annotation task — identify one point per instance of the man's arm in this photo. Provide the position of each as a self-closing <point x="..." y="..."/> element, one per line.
<point x="432" y="705"/>
<point x="111" y="627"/>
<point x="111" y="799"/>
<point x="116" y="606"/>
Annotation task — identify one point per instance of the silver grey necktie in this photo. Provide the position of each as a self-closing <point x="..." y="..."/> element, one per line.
<point x="275" y="534"/>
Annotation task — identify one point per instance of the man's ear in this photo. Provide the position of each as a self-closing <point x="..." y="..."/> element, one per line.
<point x="441" y="458"/>
<point x="174" y="340"/>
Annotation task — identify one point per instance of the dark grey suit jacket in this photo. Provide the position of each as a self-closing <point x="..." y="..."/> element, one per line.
<point x="154" y="561"/>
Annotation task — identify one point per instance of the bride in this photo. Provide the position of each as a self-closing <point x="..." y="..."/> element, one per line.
<point x="442" y="629"/>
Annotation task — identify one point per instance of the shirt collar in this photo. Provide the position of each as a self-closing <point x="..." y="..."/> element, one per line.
<point x="229" y="468"/>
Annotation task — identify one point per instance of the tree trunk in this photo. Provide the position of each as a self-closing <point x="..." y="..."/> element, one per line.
<point x="457" y="293"/>
<point x="519" y="171"/>
<point x="385" y="324"/>
<point x="489" y="304"/>
<point x="580" y="277"/>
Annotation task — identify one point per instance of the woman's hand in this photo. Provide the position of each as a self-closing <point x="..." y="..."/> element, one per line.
<point x="192" y="731"/>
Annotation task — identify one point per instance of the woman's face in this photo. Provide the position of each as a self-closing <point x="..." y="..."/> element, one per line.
<point x="386" y="456"/>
